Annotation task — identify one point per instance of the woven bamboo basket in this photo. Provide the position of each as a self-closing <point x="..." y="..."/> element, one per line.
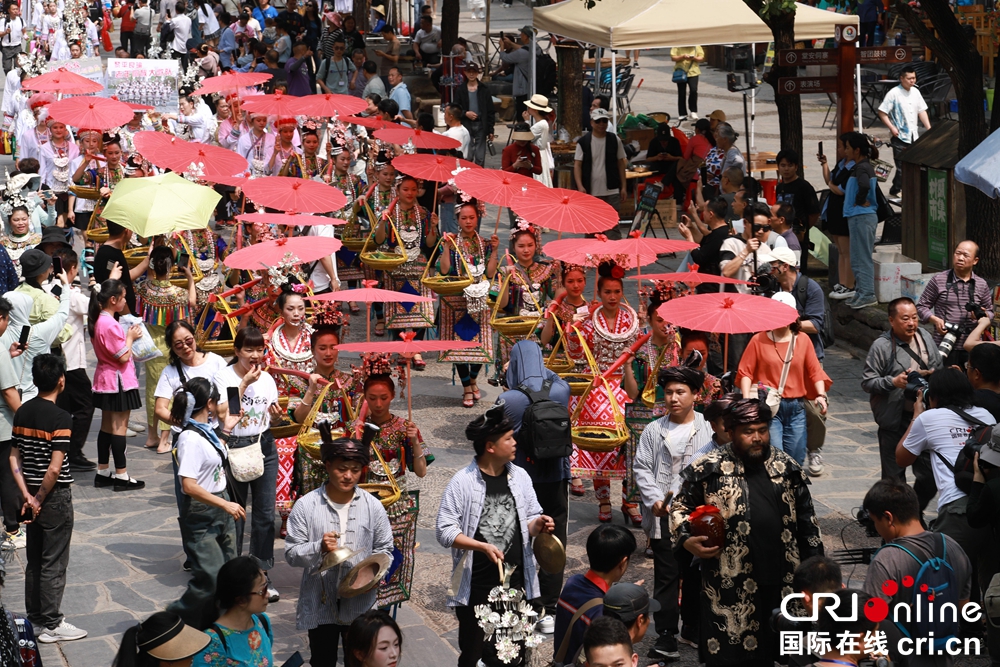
<point x="600" y="439"/>
<point x="514" y="325"/>
<point x="447" y="285"/>
<point x="379" y="260"/>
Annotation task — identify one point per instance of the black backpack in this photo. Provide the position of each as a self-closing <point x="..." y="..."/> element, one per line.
<point x="545" y="426"/>
<point x="826" y="332"/>
<point x="980" y="436"/>
<point x="546" y="75"/>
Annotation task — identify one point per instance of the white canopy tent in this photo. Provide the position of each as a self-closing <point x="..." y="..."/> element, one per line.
<point x="655" y="24"/>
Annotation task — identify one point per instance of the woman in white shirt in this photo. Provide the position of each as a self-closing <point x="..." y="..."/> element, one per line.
<point x="539" y="114"/>
<point x="258" y="403"/>
<point x="207" y="515"/>
<point x="208" y="22"/>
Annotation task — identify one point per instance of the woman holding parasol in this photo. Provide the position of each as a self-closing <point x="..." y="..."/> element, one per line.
<point x="481" y="256"/>
<point x="610" y="330"/>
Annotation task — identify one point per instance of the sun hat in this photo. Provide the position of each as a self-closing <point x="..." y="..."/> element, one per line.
<point x="539" y="103"/>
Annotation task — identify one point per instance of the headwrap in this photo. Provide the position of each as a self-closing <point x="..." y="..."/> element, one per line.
<point x="281" y="122"/>
<point x="383" y="159"/>
<point x="494" y="422"/>
<point x="747" y="411"/>
<point x="340" y="448"/>
<point x="692" y="377"/>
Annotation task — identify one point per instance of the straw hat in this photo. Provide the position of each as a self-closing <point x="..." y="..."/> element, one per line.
<point x="539" y="103"/>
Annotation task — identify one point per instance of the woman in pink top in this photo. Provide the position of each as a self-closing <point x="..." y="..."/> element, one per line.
<point x="116" y="387"/>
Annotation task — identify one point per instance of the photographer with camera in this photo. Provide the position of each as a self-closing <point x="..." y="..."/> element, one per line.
<point x="892" y="507"/>
<point x="816" y="574"/>
<point x="897" y="364"/>
<point x="942" y="428"/>
<point x="954" y="300"/>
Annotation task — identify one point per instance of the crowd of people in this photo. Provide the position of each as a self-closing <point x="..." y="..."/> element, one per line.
<point x="720" y="431"/>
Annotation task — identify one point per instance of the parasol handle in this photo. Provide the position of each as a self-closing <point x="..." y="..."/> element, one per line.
<point x="359" y="425"/>
<point x="409" y="392"/>
<point x="300" y="374"/>
<point x="249" y="308"/>
<point x="234" y="291"/>
<point x="388" y="209"/>
<point x="553" y="306"/>
<point x="496" y="227"/>
<point x="620" y="361"/>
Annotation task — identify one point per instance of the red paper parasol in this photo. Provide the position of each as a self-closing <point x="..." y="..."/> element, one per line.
<point x="370" y="294"/>
<point x="230" y="81"/>
<point x="373" y="123"/>
<point x="496" y="187"/>
<point x="294" y="194"/>
<point x="727" y="313"/>
<point x="691" y="278"/>
<point x="629" y="252"/>
<point x="135" y="107"/>
<point x="437" y="168"/>
<point x="290" y="219"/>
<point x="277" y="104"/>
<point x="418" y="138"/>
<point x="330" y="105"/>
<point x="62" y="81"/>
<point x="266" y="254"/>
<point x="178" y="155"/>
<point x="94" y="113"/>
<point x="567" y="211"/>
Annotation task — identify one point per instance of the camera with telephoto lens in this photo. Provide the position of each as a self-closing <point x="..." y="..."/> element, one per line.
<point x="763" y="283"/>
<point x="976" y="310"/>
<point x="781" y="623"/>
<point x="915" y="382"/>
<point x="947" y="343"/>
<point x="865" y="519"/>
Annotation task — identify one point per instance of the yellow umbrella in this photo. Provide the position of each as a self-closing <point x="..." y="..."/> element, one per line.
<point x="161" y="204"/>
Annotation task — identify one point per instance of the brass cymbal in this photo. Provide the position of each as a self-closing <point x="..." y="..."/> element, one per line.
<point x="550" y="553"/>
<point x="365" y="576"/>
<point x="336" y="557"/>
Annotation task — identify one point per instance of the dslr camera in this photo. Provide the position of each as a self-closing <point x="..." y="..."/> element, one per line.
<point x="976" y="310"/>
<point x="952" y="332"/>
<point x="763" y="283"/>
<point x="916" y="382"/>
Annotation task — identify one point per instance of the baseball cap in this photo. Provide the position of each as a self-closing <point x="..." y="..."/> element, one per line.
<point x="785" y="255"/>
<point x="626" y="601"/>
<point x="718" y="114"/>
<point x="785" y="298"/>
<point x="991" y="453"/>
<point x="599" y="113"/>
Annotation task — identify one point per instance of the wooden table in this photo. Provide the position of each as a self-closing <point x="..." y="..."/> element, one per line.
<point x="762" y="162"/>
<point x="588" y="63"/>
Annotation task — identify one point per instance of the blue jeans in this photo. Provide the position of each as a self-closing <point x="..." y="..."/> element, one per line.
<point x="862" y="230"/>
<point x="788" y="428"/>
<point x="446" y="215"/>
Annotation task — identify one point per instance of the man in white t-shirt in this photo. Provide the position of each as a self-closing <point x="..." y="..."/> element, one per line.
<point x="182" y="33"/>
<point x="943" y="430"/>
<point x="11" y="36"/>
<point x="453" y="119"/>
<point x="599" y="163"/>
<point x="902" y="107"/>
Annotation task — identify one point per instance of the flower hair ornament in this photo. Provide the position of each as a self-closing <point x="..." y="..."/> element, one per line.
<point x="610" y="269"/>
<point x="375" y="364"/>
<point x="12" y="193"/>
<point x="328" y="315"/>
<point x="522" y="225"/>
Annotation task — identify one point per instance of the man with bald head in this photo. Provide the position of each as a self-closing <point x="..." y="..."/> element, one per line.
<point x="947" y="297"/>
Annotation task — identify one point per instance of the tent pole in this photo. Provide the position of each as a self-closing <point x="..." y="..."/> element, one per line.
<point x="857" y="79"/>
<point x="746" y="127"/>
<point x="614" y="92"/>
<point x="487" y="44"/>
<point x="753" y="98"/>
<point x="534" y="60"/>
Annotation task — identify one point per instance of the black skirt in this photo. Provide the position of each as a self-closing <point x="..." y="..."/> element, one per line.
<point x="120" y="401"/>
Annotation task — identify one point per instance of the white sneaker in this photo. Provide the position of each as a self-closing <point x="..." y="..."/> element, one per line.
<point x="814" y="464"/>
<point x="19" y="538"/>
<point x="546" y="625"/>
<point x="840" y="293"/>
<point x="693" y="116"/>
<point x="272" y="594"/>
<point x="136" y="426"/>
<point x="129" y="433"/>
<point x="65" y="632"/>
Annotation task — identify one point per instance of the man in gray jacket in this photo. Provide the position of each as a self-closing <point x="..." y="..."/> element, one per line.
<point x="666" y="447"/>
<point x="894" y="355"/>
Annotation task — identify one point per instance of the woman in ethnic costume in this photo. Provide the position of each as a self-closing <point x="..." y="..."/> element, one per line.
<point x="204" y="251"/>
<point x="401" y="445"/>
<point x="698" y="341"/>
<point x="298" y="472"/>
<point x="20" y="238"/>
<point x="284" y="146"/>
<point x="418" y="232"/>
<point x="385" y="190"/>
<point x="160" y="303"/>
<point x="481" y="256"/>
<point x="339" y="175"/>
<point x="533" y="282"/>
<point x="572" y="308"/>
<point x="105" y="177"/>
<point x="661" y="351"/>
<point x="308" y="165"/>
<point x="288" y="343"/>
<point x="610" y="330"/>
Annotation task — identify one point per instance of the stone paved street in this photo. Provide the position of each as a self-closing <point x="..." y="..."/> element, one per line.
<point x="126" y="556"/>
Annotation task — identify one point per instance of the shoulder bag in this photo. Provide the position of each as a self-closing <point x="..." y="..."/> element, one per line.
<point x="560" y="655"/>
<point x="247" y="463"/>
<point x="773" y="399"/>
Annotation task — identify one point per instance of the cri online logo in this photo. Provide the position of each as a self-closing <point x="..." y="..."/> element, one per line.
<point x="875" y="609"/>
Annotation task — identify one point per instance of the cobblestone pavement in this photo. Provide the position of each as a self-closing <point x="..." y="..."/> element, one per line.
<point x="126" y="556"/>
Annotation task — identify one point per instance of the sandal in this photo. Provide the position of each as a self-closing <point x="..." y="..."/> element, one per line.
<point x="476" y="394"/>
<point x="419" y="364"/>
<point x="576" y="487"/>
<point x="604" y="516"/>
<point x="380" y="328"/>
<point x="355" y="308"/>
<point x="631" y="513"/>
<point x="467" y="400"/>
